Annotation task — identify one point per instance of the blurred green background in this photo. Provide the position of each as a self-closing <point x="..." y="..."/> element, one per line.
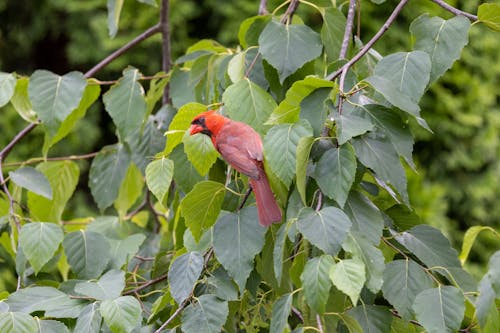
<point x="456" y="186"/>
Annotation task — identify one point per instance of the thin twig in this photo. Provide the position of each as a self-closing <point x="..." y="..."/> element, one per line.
<point x="16" y="139"/>
<point x="146" y="285"/>
<point x="372" y="41"/>
<point x="396" y="314"/>
<point x="348" y="29"/>
<point x="52" y="159"/>
<point x="172" y="317"/>
<point x="146" y="34"/>
<point x="292" y="7"/>
<point x="454" y="10"/>
<point x="263" y="7"/>
<point x="320" y="325"/>
<point x="166" y="61"/>
<point x="298" y="314"/>
<point x="137" y="209"/>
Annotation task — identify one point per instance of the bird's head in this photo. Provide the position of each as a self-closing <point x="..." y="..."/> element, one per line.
<point x="208" y="123"/>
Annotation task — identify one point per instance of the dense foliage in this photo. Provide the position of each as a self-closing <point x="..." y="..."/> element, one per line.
<point x="170" y="248"/>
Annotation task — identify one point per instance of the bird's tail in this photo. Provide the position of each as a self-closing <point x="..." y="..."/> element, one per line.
<point x="267" y="207"/>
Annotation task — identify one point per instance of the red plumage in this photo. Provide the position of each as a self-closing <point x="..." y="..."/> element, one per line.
<point x="240" y="146"/>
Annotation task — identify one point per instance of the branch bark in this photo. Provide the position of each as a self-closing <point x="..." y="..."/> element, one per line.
<point x="454" y="10"/>
<point x="263" y="7"/>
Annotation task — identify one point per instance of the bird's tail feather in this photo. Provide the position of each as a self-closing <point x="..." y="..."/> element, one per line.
<point x="267" y="207"/>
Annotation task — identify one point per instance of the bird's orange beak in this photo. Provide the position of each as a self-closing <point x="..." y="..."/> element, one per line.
<point x="195" y="129"/>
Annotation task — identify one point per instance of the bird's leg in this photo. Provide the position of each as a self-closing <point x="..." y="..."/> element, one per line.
<point x="245" y="197"/>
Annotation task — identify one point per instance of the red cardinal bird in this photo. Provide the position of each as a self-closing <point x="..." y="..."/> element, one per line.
<point x="241" y="147"/>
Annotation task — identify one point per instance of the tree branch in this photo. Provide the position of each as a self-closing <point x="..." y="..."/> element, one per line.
<point x="292" y="7"/>
<point x="146" y="285"/>
<point x="372" y="41"/>
<point x="172" y="317"/>
<point x="166" y="62"/>
<point x="348" y="29"/>
<point x="454" y="10"/>
<point x="146" y="34"/>
<point x="263" y="7"/>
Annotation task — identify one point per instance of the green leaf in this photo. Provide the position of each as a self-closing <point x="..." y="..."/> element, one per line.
<point x="316" y="282"/>
<point x="372" y="318"/>
<point x="372" y="257"/>
<point x="251" y="28"/>
<point x="109" y="286"/>
<point x="377" y="153"/>
<point x="55" y="303"/>
<point x="200" y="152"/>
<point x="54" y="97"/>
<point x="114" y="11"/>
<point x="288" y="47"/>
<point x="351" y="123"/>
<point x="429" y="245"/>
<point x="130" y="190"/>
<point x="303" y="150"/>
<point x="124" y="249"/>
<point x="279" y="250"/>
<point x="280" y="148"/>
<point x="236" y="67"/>
<point x="247" y="102"/>
<point x="107" y="171"/>
<point x="183" y="274"/>
<point x="494" y="272"/>
<point x="16" y="322"/>
<point x="63" y="178"/>
<point x="408" y="71"/>
<point x="393" y="95"/>
<point x="366" y="218"/>
<point x="201" y="206"/>
<point x="159" y="175"/>
<point x="288" y="110"/>
<point x="87" y="252"/>
<point x="440" y="309"/>
<point x="207" y="315"/>
<point x="126" y="104"/>
<point x="32" y="180"/>
<point x="90" y="95"/>
<point x="332" y="32"/>
<point x="144" y="147"/>
<point x="281" y="311"/>
<point x="486" y="309"/>
<point x="89" y="320"/>
<point x="224" y="286"/>
<point x="7" y="87"/>
<point x="403" y="281"/>
<point x="180" y="123"/>
<point x="326" y="229"/>
<point x="442" y="39"/>
<point x="185" y="174"/>
<point x="237" y="239"/>
<point x="121" y="315"/>
<point x="349" y="277"/>
<point x="335" y="173"/>
<point x="39" y="242"/>
<point x="50" y="326"/>
<point x="469" y="238"/>
<point x="21" y="101"/>
<point x="489" y="14"/>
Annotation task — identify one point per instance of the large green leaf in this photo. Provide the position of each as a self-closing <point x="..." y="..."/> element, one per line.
<point x="350" y="123"/>
<point x="250" y="29"/>
<point x="130" y="190"/>
<point x="393" y="95"/>
<point x="107" y="172"/>
<point x="440" y="309"/>
<point x="279" y="250"/>
<point x="124" y="249"/>
<point x="326" y="229"/>
<point x="88" y="253"/>
<point x="377" y="153"/>
<point x="109" y="286"/>
<point x="90" y="95"/>
<point x="114" y="11"/>
<point x="238" y="238"/>
<point x="442" y="39"/>
<point x="89" y="320"/>
<point x="303" y="150"/>
<point x="408" y="71"/>
<point x="372" y="318"/>
<point x="288" y="47"/>
<point x="50" y="326"/>
<point x="403" y="281"/>
<point x="349" y="277"/>
<point x="486" y="309"/>
<point x="247" y="102"/>
<point x="16" y="322"/>
<point x="280" y="148"/>
<point x="185" y="175"/>
<point x="332" y="32"/>
<point x="335" y="172"/>
<point x="7" y="87"/>
<point x="430" y="246"/>
<point x="122" y="314"/>
<point x="39" y="242"/>
<point x="183" y="274"/>
<point x="126" y="104"/>
<point x="21" y="100"/>
<point x="55" y="303"/>
<point x="281" y="311"/>
<point x="372" y="257"/>
<point x="32" y="180"/>
<point x="469" y="238"/>
<point x="316" y="282"/>
<point x="201" y="206"/>
<point x="180" y="123"/>
<point x="144" y="147"/>
<point x="288" y="110"/>
<point x="159" y="175"/>
<point x="207" y="315"/>
<point x="63" y="178"/>
<point x="200" y="152"/>
<point x="489" y="14"/>
<point x="54" y="97"/>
